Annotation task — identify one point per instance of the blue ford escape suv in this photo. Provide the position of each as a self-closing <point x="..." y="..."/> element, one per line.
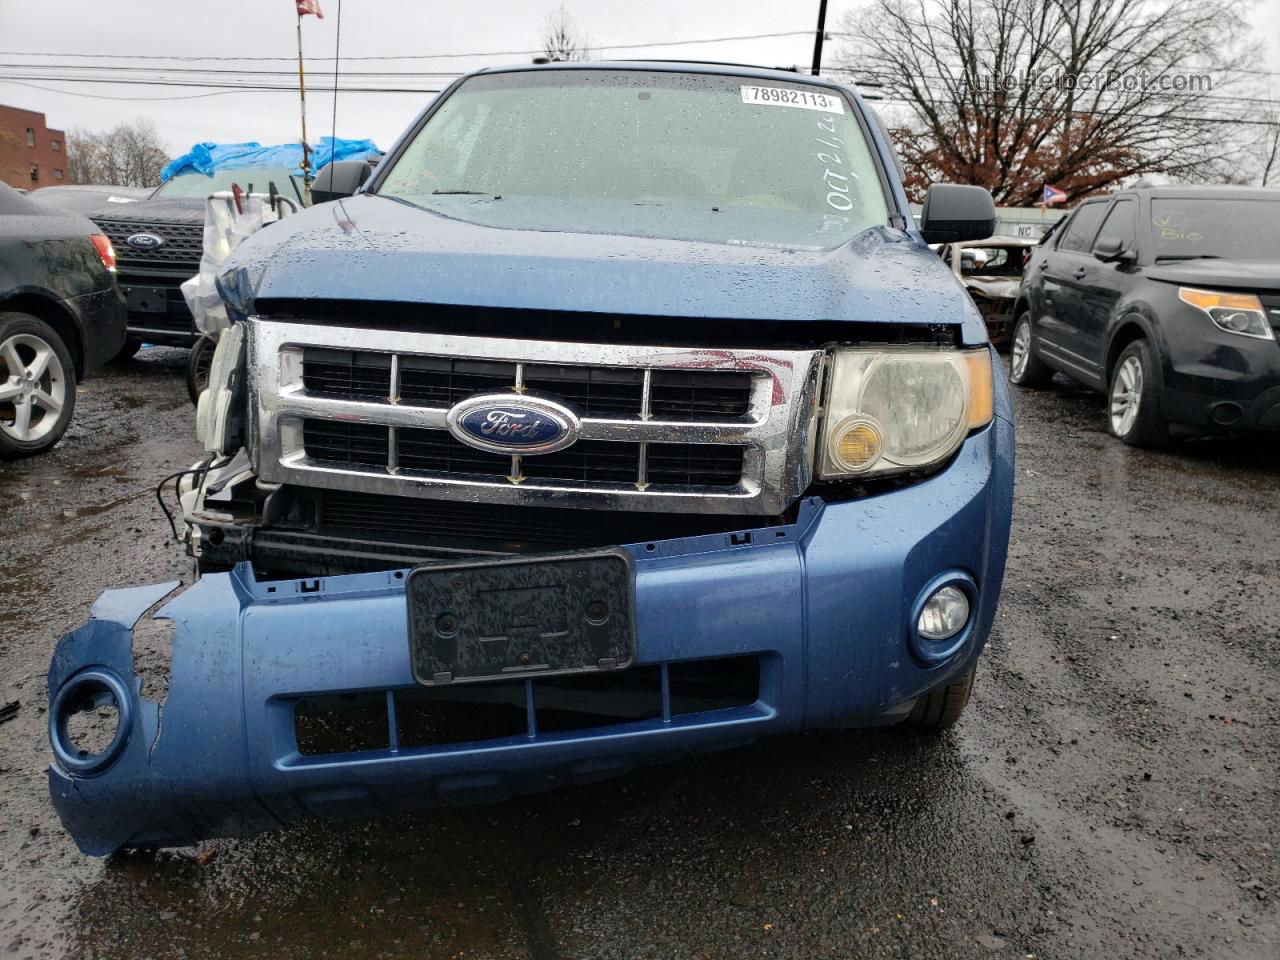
<point x="623" y="413"/>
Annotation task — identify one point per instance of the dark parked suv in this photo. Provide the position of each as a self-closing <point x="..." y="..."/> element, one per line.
<point x="1167" y="298"/>
<point x="159" y="241"/>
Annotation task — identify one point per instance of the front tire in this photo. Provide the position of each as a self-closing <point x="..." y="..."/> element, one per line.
<point x="1026" y="369"/>
<point x="1133" y="402"/>
<point x="37" y="386"/>
<point x="198" y="365"/>
<point x="941" y="708"/>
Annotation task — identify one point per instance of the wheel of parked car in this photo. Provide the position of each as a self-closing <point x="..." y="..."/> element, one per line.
<point x="1025" y="366"/>
<point x="1133" y="406"/>
<point x="198" y="365"/>
<point x="37" y="386"/>
<point x="942" y="707"/>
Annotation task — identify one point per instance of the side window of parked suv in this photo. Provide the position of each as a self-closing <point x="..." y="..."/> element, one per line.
<point x="1083" y="226"/>
<point x="1122" y="223"/>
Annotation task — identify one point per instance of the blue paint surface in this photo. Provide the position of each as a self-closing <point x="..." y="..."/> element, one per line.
<point x="826" y="603"/>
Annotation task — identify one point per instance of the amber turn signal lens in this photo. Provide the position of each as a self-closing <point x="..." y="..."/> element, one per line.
<point x="980" y="387"/>
<point x="856" y="444"/>
<point x="1204" y="299"/>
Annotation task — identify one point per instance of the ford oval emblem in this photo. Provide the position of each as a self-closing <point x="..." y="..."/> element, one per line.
<point x="513" y="424"/>
<point x="145" y="241"/>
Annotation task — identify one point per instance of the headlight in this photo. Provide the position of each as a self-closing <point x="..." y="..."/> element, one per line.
<point x="890" y="410"/>
<point x="1233" y="312"/>
<point x="216" y="411"/>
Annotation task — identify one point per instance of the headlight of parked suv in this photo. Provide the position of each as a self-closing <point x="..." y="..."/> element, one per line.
<point x="1233" y="312"/>
<point x="893" y="410"/>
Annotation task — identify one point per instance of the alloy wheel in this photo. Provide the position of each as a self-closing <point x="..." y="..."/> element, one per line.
<point x="1126" y="396"/>
<point x="33" y="388"/>
<point x="1021" y="350"/>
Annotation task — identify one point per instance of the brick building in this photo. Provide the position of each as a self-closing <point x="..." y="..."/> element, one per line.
<point x="31" y="154"/>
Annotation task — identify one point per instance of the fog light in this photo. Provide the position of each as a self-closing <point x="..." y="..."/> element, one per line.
<point x="944" y="614"/>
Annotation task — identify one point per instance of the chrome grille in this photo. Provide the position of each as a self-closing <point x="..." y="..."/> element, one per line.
<point x="183" y="242"/>
<point x="592" y="391"/>
<point x="586" y="462"/>
<point x="661" y="428"/>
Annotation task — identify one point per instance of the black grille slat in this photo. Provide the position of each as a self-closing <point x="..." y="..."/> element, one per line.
<point x="438" y="452"/>
<point x="503" y="526"/>
<point x="348" y="375"/>
<point x="686" y="396"/>
<point x="588" y="462"/>
<point x="353" y="444"/>
<point x="443" y="381"/>
<point x="691" y="465"/>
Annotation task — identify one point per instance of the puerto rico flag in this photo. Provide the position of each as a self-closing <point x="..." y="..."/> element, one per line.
<point x="1052" y="195"/>
<point x="309" y="6"/>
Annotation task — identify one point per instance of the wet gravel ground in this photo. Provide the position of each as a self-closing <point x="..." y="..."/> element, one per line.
<point x="1112" y="791"/>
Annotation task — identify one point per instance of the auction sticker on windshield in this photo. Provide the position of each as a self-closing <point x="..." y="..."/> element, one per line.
<point x="788" y="97"/>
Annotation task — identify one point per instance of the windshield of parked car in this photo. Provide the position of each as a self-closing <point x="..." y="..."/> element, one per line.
<point x="201" y="185"/>
<point x="1221" y="228"/>
<point x="689" y="156"/>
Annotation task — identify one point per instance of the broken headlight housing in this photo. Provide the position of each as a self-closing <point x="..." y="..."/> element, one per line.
<point x="219" y="417"/>
<point x="893" y="410"/>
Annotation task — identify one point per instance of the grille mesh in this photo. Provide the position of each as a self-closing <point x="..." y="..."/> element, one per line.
<point x="687" y="396"/>
<point x="586" y="462"/>
<point x="183" y="242"/>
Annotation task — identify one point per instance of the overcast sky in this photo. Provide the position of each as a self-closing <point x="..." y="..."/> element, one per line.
<point x="266" y="28"/>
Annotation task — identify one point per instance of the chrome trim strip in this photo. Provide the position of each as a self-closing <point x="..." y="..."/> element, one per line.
<point x="777" y="459"/>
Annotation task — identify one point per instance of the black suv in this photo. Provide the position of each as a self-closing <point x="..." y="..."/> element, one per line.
<point x="159" y="242"/>
<point x="1168" y="299"/>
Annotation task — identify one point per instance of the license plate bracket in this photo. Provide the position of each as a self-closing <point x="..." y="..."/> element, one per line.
<point x="146" y="299"/>
<point x="546" y="615"/>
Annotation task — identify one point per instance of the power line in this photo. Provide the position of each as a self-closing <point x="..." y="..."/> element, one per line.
<point x="205" y="71"/>
<point x="415" y="56"/>
<point x="24" y="81"/>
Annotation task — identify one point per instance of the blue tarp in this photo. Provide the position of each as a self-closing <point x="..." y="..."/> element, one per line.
<point x="208" y="158"/>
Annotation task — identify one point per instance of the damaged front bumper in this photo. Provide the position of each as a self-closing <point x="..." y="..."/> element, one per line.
<point x="810" y="624"/>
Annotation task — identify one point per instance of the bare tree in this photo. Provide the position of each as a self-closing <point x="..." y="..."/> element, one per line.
<point x="561" y="39"/>
<point x="130" y="155"/>
<point x="1080" y="94"/>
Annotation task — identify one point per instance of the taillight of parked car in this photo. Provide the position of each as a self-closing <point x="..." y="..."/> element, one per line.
<point x="107" y="252"/>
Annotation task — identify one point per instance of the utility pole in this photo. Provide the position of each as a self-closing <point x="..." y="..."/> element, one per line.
<point x="817" y="40"/>
<point x="302" y="97"/>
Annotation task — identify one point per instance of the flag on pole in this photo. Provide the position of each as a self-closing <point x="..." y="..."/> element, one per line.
<point x="1052" y="195"/>
<point x="309" y="6"/>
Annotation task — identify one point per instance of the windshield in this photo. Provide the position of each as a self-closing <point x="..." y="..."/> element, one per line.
<point x="200" y="185"/>
<point x="688" y="156"/>
<point x="1229" y="229"/>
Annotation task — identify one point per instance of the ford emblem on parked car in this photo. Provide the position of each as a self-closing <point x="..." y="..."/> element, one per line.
<point x="145" y="241"/>
<point x="511" y="424"/>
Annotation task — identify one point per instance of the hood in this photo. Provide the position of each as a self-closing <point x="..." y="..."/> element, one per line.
<point x="160" y="210"/>
<point x="1251" y="275"/>
<point x="375" y="248"/>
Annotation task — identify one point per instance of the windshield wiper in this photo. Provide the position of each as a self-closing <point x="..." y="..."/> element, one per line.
<point x="472" y="193"/>
<point x="1188" y="256"/>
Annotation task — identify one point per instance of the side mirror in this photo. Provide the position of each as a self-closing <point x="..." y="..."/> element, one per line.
<point x="1112" y="250"/>
<point x="339" y="180"/>
<point x="953" y="213"/>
